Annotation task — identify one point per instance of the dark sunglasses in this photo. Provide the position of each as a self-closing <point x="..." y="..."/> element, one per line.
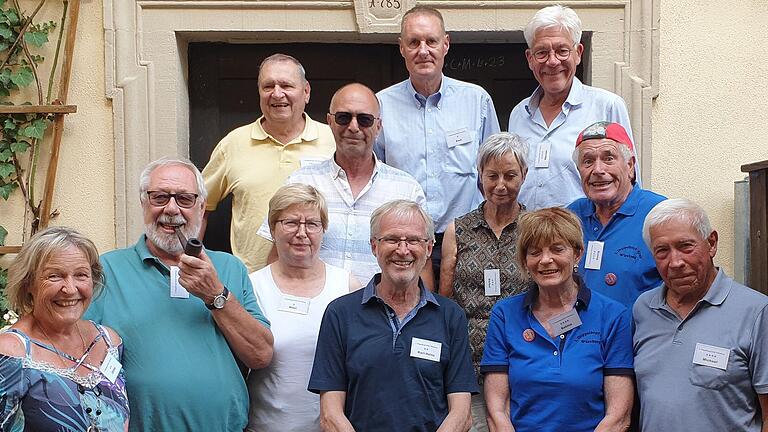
<point x="363" y="120"/>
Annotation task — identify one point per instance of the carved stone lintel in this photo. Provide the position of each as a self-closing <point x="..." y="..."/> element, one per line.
<point x="381" y="16"/>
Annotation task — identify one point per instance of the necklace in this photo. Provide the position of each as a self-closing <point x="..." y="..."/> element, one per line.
<point x="60" y="352"/>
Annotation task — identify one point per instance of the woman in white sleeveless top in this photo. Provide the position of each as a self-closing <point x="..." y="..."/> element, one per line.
<point x="293" y="293"/>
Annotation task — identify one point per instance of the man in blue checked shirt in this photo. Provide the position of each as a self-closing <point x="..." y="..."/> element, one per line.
<point x="433" y="124"/>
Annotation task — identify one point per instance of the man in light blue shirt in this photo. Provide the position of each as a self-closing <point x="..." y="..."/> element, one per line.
<point x="561" y="107"/>
<point x="434" y="125"/>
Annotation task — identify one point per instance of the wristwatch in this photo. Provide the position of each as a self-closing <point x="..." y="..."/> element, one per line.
<point x="219" y="300"/>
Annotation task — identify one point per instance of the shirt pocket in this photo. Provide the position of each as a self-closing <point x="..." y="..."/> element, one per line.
<point x="707" y="376"/>
<point x="460" y="158"/>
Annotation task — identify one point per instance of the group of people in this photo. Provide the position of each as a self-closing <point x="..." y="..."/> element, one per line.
<point x="407" y="267"/>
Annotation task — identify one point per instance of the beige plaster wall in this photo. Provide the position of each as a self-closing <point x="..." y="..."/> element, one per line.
<point x="711" y="110"/>
<point x="85" y="186"/>
<point x="706" y="120"/>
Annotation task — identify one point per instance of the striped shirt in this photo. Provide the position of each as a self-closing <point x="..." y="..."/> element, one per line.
<point x="346" y="244"/>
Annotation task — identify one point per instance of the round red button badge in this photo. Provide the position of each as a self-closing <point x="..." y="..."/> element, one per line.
<point x="610" y="279"/>
<point x="529" y="335"/>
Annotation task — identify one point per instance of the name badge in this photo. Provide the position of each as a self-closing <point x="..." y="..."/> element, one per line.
<point x="292" y="304"/>
<point x="426" y="349"/>
<point x="177" y="291"/>
<point x="457" y="137"/>
<point x="594" y="258"/>
<point x="110" y="367"/>
<point x="712" y="356"/>
<point x="565" y="321"/>
<point x="542" y="154"/>
<point x="305" y="162"/>
<point x="492" y="282"/>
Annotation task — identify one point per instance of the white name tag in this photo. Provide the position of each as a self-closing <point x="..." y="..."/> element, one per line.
<point x="292" y="304"/>
<point x="310" y="161"/>
<point x="565" y="321"/>
<point x="177" y="291"/>
<point x="594" y="258"/>
<point x="110" y="367"/>
<point x="712" y="356"/>
<point x="457" y="137"/>
<point x="426" y="349"/>
<point x="542" y="154"/>
<point x="492" y="282"/>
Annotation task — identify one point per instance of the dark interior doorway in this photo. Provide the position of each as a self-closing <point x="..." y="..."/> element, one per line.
<point x="223" y="92"/>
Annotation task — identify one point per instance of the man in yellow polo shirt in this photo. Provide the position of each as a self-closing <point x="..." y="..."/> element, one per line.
<point x="254" y="160"/>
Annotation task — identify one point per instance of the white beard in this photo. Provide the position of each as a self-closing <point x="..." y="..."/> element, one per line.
<point x="170" y="242"/>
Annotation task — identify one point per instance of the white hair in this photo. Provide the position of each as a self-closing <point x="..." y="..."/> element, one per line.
<point x="554" y="16"/>
<point x="401" y="209"/>
<point x="677" y="210"/>
<point x="170" y="161"/>
<point x="497" y="145"/>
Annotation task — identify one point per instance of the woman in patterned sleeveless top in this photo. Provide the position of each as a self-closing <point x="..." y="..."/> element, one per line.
<point x="478" y="268"/>
<point x="57" y="371"/>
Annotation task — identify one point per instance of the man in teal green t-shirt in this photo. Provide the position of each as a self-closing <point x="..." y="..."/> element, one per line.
<point x="185" y="320"/>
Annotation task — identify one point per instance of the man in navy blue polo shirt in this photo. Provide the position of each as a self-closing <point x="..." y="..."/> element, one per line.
<point x="617" y="263"/>
<point x="393" y="356"/>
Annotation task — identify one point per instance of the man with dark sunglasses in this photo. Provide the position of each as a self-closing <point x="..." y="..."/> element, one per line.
<point x="252" y="161"/>
<point x="354" y="182"/>
<point x="435" y="124"/>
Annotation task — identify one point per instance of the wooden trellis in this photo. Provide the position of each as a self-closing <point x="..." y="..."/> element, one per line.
<point x="59" y="109"/>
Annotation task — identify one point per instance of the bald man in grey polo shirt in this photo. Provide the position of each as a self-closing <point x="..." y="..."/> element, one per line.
<point x="701" y="339"/>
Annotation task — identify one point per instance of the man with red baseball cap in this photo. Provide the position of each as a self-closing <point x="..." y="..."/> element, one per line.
<point x="617" y="262"/>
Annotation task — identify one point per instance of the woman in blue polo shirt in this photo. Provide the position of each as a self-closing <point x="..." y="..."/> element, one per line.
<point x="559" y="356"/>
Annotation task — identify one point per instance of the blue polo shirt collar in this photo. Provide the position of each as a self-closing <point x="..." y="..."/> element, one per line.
<point x="425" y="295"/>
<point x="583" y="296"/>
<point x="715" y="296"/>
<point x="628" y="208"/>
<point x="575" y="97"/>
<point x="421" y="100"/>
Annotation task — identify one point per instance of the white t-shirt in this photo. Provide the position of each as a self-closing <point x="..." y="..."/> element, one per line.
<point x="279" y="397"/>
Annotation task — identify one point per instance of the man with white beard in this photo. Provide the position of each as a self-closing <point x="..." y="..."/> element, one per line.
<point x="186" y="321"/>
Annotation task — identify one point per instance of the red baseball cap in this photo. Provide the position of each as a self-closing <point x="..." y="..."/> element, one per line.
<point x="604" y="129"/>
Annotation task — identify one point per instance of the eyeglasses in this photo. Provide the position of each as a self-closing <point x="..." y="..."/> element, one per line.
<point x="292" y="225"/>
<point x="561" y="54"/>
<point x="411" y="242"/>
<point x="344" y="118"/>
<point x="184" y="199"/>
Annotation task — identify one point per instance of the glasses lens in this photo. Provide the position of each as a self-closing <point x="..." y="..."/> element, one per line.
<point x="343" y="118"/>
<point x="186" y="200"/>
<point x="313" y="227"/>
<point x="541" y="55"/>
<point x="563" y="53"/>
<point x="158" y="198"/>
<point x="365" y="120"/>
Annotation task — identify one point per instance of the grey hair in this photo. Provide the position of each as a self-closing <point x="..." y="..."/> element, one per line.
<point x="170" y="161"/>
<point x="677" y="210"/>
<point x="279" y="57"/>
<point x="36" y="252"/>
<point x="401" y="209"/>
<point x="497" y="145"/>
<point x="554" y="16"/>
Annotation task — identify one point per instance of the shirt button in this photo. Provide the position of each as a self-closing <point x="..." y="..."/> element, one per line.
<point x="562" y="336"/>
<point x="430" y="131"/>
<point x="594" y="229"/>
<point x="429" y="109"/>
<point x="554" y="353"/>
